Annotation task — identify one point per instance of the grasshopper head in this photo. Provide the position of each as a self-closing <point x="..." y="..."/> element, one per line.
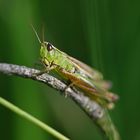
<point x="47" y="52"/>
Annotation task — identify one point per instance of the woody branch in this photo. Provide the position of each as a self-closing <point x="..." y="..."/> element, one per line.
<point x="90" y="107"/>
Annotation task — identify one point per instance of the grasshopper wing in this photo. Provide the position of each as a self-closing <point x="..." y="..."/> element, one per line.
<point x="90" y="72"/>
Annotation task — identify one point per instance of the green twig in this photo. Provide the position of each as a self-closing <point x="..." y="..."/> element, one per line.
<point x="32" y="119"/>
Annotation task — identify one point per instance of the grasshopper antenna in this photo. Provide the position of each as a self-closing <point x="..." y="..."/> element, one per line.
<point x="36" y="34"/>
<point x="43" y="30"/>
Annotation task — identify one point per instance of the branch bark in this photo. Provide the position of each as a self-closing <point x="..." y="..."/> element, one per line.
<point x="97" y="113"/>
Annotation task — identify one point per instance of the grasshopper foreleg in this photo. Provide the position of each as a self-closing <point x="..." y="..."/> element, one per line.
<point x="48" y="68"/>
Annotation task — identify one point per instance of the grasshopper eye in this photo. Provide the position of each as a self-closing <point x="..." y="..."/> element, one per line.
<point x="49" y="46"/>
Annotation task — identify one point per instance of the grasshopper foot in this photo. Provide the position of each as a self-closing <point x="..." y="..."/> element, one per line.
<point x="66" y="88"/>
<point x="65" y="91"/>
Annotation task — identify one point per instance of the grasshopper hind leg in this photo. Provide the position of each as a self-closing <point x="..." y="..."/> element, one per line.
<point x="70" y="84"/>
<point x="96" y="97"/>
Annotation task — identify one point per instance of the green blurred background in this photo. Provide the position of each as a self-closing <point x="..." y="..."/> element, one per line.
<point x="104" y="34"/>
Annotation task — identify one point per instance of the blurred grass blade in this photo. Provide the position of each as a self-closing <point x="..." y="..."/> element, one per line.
<point x="32" y="119"/>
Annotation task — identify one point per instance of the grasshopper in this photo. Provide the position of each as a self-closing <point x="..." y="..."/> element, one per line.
<point x="79" y="74"/>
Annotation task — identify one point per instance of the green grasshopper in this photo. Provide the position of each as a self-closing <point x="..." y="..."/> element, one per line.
<point x="79" y="74"/>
